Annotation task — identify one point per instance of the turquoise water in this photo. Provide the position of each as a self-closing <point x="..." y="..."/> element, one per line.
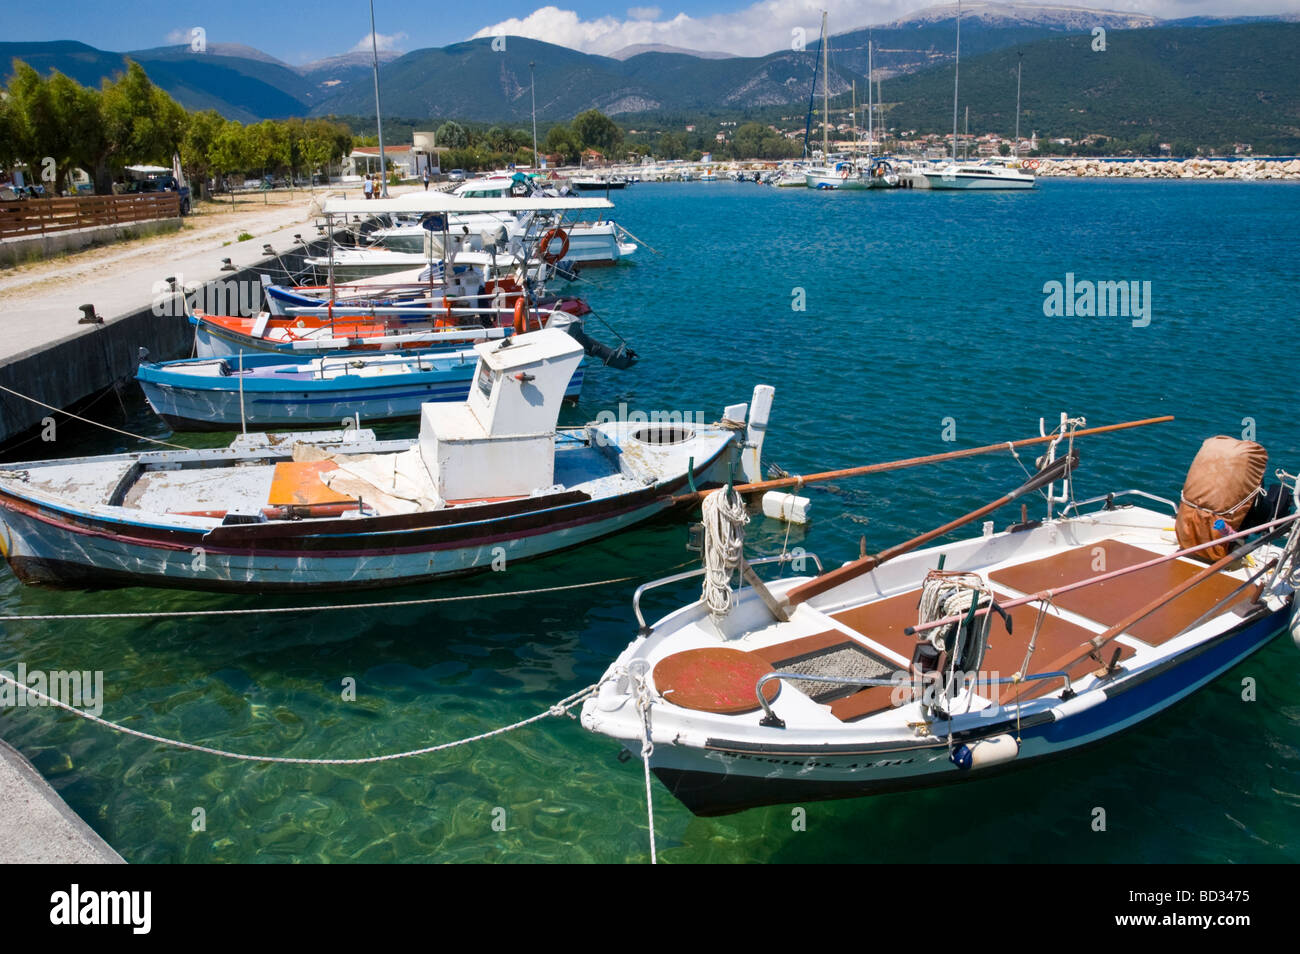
<point x="919" y="307"/>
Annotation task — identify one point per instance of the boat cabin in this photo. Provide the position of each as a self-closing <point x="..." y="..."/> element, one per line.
<point x="501" y="441"/>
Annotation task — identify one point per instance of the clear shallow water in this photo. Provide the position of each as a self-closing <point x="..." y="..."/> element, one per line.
<point x="920" y="307"/>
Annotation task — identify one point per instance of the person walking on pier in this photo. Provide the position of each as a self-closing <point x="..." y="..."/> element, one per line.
<point x="369" y="187"/>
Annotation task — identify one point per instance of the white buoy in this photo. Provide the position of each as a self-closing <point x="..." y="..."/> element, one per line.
<point x="1295" y="622"/>
<point x="994" y="750"/>
<point x="786" y="507"/>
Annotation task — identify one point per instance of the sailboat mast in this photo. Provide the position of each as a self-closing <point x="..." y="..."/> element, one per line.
<point x="826" y="97"/>
<point x="956" y="68"/>
<point x="1019" y="63"/>
<point x="869" y="72"/>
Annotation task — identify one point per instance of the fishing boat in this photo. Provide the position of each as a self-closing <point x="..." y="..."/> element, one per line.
<point x="487" y="481"/>
<point x="595" y="183"/>
<point x="919" y="667"/>
<point x="446" y="324"/>
<point x="273" y="390"/>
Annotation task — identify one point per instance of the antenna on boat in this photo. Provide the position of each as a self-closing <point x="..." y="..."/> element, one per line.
<point x="243" y="423"/>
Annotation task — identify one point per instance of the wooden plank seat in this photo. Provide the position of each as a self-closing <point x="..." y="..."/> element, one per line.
<point x="1109" y="602"/>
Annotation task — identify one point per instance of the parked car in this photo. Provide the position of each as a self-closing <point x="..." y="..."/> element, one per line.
<point x="160" y="184"/>
<point x="457" y="175"/>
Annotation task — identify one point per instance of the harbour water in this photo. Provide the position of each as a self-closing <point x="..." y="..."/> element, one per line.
<point x="922" y="329"/>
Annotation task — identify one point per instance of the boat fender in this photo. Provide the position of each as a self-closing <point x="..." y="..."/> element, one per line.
<point x="995" y="750"/>
<point x="521" y="316"/>
<point x="1295" y="622"/>
<point x="611" y="697"/>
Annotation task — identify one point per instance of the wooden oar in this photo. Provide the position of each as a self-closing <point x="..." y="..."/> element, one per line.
<point x="1054" y="471"/>
<point x="781" y="482"/>
<point x="1093" y="646"/>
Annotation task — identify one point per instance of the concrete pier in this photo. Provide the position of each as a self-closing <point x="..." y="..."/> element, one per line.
<point x="46" y="354"/>
<point x="37" y="826"/>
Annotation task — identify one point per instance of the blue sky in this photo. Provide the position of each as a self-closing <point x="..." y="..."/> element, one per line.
<point x="337" y="26"/>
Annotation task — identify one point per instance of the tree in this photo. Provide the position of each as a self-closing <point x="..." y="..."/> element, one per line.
<point x="561" y="139"/>
<point x="595" y="130"/>
<point x="671" y="146"/>
<point x="141" y="124"/>
<point x="452" y="135"/>
<point x="229" y="151"/>
<point x="196" y="147"/>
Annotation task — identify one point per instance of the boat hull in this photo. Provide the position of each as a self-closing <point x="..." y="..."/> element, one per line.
<point x="56" y="547"/>
<point x="938" y="181"/>
<point x="730" y="777"/>
<point x="188" y="402"/>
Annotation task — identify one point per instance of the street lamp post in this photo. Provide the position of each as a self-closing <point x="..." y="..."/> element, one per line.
<point x="532" y="84"/>
<point x="379" y="122"/>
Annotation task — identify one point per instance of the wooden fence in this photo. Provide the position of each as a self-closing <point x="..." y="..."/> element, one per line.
<point x="28" y="218"/>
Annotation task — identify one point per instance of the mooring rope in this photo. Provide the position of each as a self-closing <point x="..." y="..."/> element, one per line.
<point x="255" y="610"/>
<point x="724" y="516"/>
<point x="558" y="709"/>
<point x="107" y="427"/>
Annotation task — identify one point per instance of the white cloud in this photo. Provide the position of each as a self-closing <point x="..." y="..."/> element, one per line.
<point x="767" y="25"/>
<point x="179" y="35"/>
<point x="385" y="42"/>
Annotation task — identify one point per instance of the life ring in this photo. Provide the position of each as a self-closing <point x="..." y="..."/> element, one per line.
<point x="1024" y="163"/>
<point x="549" y="237"/>
<point x="1033" y="163"/>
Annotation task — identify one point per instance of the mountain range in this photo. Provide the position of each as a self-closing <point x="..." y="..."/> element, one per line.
<point x="1239" y="66"/>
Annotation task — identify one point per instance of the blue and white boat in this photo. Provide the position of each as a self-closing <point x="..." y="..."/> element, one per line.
<point x="264" y="390"/>
<point x="892" y="672"/>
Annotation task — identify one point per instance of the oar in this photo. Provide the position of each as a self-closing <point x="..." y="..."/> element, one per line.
<point x="1052" y="472"/>
<point x="903" y="464"/>
<point x="1093" y="646"/>
<point x="641" y="241"/>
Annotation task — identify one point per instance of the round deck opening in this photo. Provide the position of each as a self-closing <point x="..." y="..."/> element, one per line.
<point x="663" y="434"/>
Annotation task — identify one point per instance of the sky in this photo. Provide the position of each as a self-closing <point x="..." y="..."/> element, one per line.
<point x="743" y="27"/>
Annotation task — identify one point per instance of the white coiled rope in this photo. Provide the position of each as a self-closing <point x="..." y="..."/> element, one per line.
<point x="725" y="517"/>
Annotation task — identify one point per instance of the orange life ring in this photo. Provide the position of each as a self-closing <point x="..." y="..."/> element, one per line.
<point x="521" y="316"/>
<point x="549" y="237"/>
<point x="1033" y="163"/>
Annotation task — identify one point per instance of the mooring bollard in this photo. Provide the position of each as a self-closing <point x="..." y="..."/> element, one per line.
<point x="88" y="316"/>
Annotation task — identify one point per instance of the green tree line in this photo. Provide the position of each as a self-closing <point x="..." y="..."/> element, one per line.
<point x="129" y="121"/>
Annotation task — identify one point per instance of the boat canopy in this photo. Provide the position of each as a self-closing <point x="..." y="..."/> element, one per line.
<point x="418" y="202"/>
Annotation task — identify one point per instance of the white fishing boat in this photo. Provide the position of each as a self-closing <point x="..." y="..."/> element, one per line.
<point x="488" y="480"/>
<point x="892" y="672"/>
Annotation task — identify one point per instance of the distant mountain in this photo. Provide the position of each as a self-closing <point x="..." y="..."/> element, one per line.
<point x="637" y="48"/>
<point x="327" y="76"/>
<point x="472" y="81"/>
<point x="238" y="87"/>
<point x="1214" y="85"/>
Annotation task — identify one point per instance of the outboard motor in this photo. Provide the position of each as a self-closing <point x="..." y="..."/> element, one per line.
<point x="620" y="358"/>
